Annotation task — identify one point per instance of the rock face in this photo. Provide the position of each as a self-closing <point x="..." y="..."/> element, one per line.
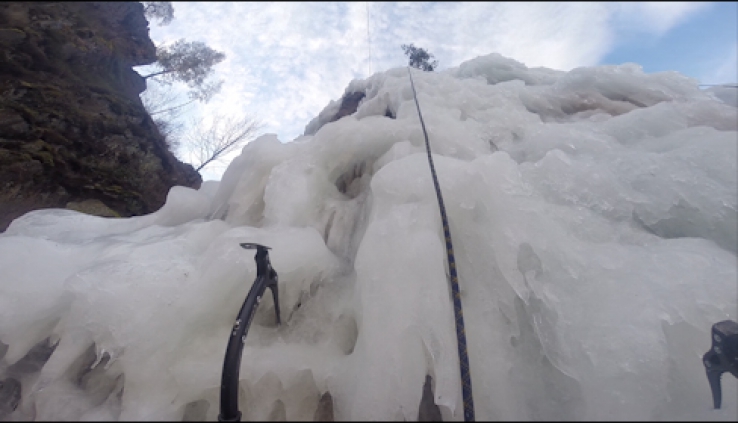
<point x="336" y="110"/>
<point x="72" y="126"/>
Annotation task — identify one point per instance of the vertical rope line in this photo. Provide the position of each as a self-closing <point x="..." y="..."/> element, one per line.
<point x="369" y="41"/>
<point x="466" y="385"/>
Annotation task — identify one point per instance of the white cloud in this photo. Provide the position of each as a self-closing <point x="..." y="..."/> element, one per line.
<point x="654" y="17"/>
<point x="666" y="15"/>
<point x="286" y="61"/>
<point x="723" y="69"/>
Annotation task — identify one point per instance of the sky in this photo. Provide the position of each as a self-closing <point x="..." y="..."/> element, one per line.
<point x="286" y="61"/>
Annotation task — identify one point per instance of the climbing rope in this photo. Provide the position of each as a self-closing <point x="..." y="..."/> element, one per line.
<point x="466" y="385"/>
<point x="369" y="41"/>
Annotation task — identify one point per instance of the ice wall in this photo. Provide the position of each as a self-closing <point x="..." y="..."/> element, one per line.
<point x="593" y="214"/>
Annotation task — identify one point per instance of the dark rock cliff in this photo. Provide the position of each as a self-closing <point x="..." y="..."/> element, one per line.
<point x="73" y="130"/>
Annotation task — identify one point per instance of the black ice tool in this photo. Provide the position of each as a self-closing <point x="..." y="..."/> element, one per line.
<point x="722" y="357"/>
<point x="266" y="277"/>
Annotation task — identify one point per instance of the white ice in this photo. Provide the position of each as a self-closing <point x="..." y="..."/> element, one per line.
<point x="594" y="222"/>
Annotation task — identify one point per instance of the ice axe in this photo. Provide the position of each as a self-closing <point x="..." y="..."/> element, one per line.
<point x="266" y="277"/>
<point x="722" y="357"/>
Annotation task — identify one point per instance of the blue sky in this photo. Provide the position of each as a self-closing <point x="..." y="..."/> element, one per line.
<point x="286" y="61"/>
<point x="700" y="47"/>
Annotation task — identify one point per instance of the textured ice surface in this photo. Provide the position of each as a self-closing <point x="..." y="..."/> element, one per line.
<point x="593" y="215"/>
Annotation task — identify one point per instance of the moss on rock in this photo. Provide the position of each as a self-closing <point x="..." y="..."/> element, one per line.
<point x="93" y="207"/>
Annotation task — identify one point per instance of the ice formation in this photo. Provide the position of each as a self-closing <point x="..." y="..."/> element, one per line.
<point x="593" y="214"/>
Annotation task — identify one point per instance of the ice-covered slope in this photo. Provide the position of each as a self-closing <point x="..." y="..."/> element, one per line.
<point x="593" y="214"/>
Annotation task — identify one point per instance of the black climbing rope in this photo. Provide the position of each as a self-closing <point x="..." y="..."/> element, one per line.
<point x="466" y="385"/>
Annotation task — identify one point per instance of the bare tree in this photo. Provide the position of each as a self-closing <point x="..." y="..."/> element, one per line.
<point x="190" y="63"/>
<point x="161" y="99"/>
<point x="166" y="106"/>
<point x="161" y="10"/>
<point x="209" y="143"/>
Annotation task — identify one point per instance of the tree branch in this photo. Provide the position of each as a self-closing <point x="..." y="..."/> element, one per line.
<point x="158" y="73"/>
<point x="171" y="108"/>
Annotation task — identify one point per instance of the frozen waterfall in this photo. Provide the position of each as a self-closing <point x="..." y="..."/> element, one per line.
<point x="594" y="221"/>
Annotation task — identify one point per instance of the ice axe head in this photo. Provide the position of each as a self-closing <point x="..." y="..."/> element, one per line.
<point x="265" y="271"/>
<point x="722" y="357"/>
